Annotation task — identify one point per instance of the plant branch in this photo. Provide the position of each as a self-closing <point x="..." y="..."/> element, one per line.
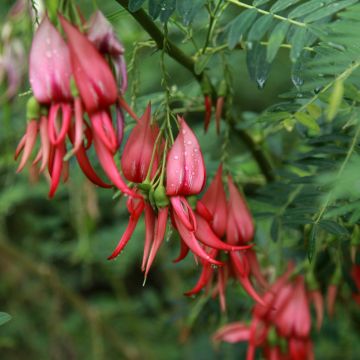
<point x="180" y="57"/>
<point x="150" y="27"/>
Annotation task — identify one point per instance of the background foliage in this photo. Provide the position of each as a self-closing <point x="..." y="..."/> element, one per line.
<point x="294" y="68"/>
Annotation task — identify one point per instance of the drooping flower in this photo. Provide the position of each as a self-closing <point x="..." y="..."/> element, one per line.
<point x="215" y="202"/>
<point x="212" y="219"/>
<point x="139" y="148"/>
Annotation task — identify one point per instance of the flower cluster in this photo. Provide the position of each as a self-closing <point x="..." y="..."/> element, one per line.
<point x="71" y="79"/>
<point x="281" y="326"/>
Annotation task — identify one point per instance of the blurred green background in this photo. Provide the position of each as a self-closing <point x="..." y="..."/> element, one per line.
<point x="66" y="300"/>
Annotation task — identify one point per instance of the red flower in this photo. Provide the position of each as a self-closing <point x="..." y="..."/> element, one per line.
<point x="215" y="202"/>
<point x="240" y="226"/>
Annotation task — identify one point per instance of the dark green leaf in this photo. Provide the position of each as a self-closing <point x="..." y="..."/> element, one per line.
<point x="329" y="10"/>
<point x="260" y="2"/>
<point x="282" y="5"/>
<point x="312" y="242"/>
<point x="167" y="7"/>
<point x="135" y="5"/>
<point x="308" y="8"/>
<point x="239" y="26"/>
<point x="275" y="228"/>
<point x="4" y="318"/>
<point x="276" y="39"/>
<point x="260" y="27"/>
<point x="257" y="65"/>
<point x="333" y="227"/>
<point x="188" y="9"/>
<point x="298" y="42"/>
<point x="154" y="8"/>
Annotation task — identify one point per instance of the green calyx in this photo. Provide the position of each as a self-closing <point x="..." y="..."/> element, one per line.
<point x="355" y="236"/>
<point x="206" y="85"/>
<point x="160" y="197"/>
<point x="336" y="278"/>
<point x="192" y="200"/>
<point x="272" y="337"/>
<point x="311" y="281"/>
<point x="73" y="88"/>
<point x="222" y="89"/>
<point x="33" y="109"/>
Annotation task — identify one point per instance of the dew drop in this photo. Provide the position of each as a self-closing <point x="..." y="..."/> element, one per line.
<point x="176" y="157"/>
<point x="49" y="54"/>
<point x="189" y="142"/>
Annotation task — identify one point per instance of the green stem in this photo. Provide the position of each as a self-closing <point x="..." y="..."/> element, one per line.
<point x="264" y="12"/>
<point x="179" y="56"/>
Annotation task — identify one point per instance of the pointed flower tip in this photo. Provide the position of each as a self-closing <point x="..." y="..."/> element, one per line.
<point x="93" y="76"/>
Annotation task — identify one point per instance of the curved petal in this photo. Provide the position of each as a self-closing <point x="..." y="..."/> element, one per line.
<point x="185" y="168"/>
<point x="93" y="76"/>
<point x="49" y="68"/>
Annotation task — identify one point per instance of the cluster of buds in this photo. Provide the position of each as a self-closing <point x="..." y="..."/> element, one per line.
<point x="281" y="326"/>
<point x="71" y="78"/>
<point x="167" y="179"/>
<point x="78" y="81"/>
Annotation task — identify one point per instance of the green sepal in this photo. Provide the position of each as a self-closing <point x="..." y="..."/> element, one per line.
<point x="73" y="88"/>
<point x="160" y="197"/>
<point x="33" y="109"/>
<point x="222" y="89"/>
<point x="337" y="276"/>
<point x="311" y="282"/>
<point x="206" y="85"/>
<point x="272" y="337"/>
<point x="192" y="200"/>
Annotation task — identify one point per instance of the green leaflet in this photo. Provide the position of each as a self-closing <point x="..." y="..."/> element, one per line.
<point x="312" y="242"/>
<point x="335" y="100"/>
<point x="276" y="39"/>
<point x="167" y="7"/>
<point x="282" y="5"/>
<point x="298" y="42"/>
<point x="4" y="318"/>
<point x="135" y="5"/>
<point x="239" y="27"/>
<point x="260" y="27"/>
<point x="188" y="9"/>
<point x="308" y="8"/>
<point x="257" y="65"/>
<point x="307" y="121"/>
<point x="329" y="10"/>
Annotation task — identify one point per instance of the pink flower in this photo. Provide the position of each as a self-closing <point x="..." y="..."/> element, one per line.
<point x="93" y="76"/>
<point x="139" y="148"/>
<point x="50" y="69"/>
<point x="102" y="35"/>
<point x="185" y="168"/>
<point x="293" y="318"/>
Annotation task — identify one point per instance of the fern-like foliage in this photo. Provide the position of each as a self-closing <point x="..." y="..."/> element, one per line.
<point x="319" y="187"/>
